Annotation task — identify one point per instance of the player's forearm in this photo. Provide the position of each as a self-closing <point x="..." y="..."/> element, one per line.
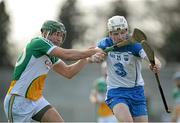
<point x="157" y="62"/>
<point x="76" y="55"/>
<point x="72" y="54"/>
<point x="76" y="68"/>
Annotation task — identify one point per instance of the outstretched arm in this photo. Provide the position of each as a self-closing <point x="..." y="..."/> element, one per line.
<point x="74" y="54"/>
<point x="69" y="71"/>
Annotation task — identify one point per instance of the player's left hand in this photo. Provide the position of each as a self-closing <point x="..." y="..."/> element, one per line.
<point x="155" y="68"/>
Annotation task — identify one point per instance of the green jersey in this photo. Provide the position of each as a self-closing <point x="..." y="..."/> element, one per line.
<point x="32" y="67"/>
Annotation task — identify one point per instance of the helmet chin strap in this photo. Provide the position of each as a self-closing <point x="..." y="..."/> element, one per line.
<point x="46" y="36"/>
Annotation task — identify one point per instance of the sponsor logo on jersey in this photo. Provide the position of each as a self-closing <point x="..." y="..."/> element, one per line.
<point x="48" y="64"/>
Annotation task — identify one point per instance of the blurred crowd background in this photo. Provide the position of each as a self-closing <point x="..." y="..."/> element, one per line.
<point x="85" y="25"/>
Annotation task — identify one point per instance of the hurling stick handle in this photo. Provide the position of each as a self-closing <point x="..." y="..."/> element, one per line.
<point x="160" y="88"/>
<point x="109" y="49"/>
<point x="120" y="44"/>
<point x="162" y="93"/>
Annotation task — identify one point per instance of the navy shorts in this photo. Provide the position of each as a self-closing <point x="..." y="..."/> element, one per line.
<point x="134" y="98"/>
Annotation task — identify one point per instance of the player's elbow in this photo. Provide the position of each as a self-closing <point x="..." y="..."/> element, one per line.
<point x="69" y="75"/>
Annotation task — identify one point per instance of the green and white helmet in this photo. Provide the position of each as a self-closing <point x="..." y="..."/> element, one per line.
<point x="53" y="26"/>
<point x="117" y="23"/>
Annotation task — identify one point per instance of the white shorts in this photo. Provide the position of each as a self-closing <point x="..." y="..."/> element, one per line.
<point x="20" y="109"/>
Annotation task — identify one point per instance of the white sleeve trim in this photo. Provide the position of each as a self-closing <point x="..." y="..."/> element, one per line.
<point x="58" y="61"/>
<point x="142" y="54"/>
<point x="49" y="51"/>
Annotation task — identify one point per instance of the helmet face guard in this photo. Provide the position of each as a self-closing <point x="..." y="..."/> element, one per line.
<point x="54" y="26"/>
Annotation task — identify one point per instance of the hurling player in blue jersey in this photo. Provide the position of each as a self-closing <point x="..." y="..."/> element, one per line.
<point x="125" y="85"/>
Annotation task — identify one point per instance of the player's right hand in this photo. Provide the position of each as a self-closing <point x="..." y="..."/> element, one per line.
<point x="97" y="58"/>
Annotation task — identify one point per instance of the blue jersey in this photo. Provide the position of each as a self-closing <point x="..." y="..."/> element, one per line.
<point x="123" y="64"/>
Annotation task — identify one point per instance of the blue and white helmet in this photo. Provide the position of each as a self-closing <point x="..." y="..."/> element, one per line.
<point x="117" y="23"/>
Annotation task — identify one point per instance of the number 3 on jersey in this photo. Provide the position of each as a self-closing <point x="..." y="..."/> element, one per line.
<point x="120" y="70"/>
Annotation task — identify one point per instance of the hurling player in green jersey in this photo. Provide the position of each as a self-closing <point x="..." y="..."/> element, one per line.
<point x="24" y="100"/>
